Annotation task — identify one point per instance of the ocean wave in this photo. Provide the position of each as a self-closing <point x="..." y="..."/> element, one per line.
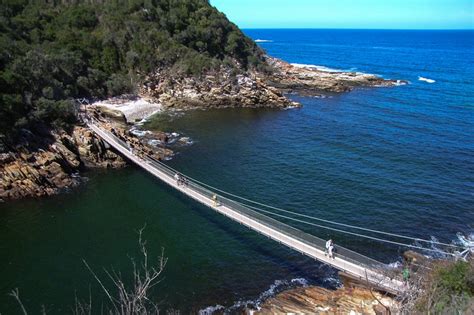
<point x="263" y="41"/>
<point x="426" y="80"/>
<point x="434" y="251"/>
<point x="155" y="142"/>
<point x="320" y="68"/>
<point x="185" y="141"/>
<point x="138" y="132"/>
<point x="211" y="309"/>
<point x="333" y="281"/>
<point x="276" y="287"/>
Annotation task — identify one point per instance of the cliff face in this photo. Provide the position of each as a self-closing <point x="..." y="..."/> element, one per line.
<point x="43" y="165"/>
<point x="40" y="166"/>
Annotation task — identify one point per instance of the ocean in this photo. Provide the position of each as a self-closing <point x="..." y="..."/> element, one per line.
<point x="398" y="159"/>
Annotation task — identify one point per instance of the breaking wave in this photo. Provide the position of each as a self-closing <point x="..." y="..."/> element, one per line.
<point x="426" y="80"/>
<point x="276" y="287"/>
<point x="321" y="68"/>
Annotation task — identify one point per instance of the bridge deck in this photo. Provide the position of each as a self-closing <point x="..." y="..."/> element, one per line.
<point x="355" y="264"/>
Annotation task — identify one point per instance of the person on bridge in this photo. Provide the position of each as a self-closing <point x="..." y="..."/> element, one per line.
<point x="214" y="200"/>
<point x="328" y="244"/>
<point x="331" y="251"/>
<point x="406" y="275"/>
<point x="177" y="178"/>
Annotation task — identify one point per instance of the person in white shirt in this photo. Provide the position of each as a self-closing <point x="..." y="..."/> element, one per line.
<point x="331" y="251"/>
<point x="328" y="244"/>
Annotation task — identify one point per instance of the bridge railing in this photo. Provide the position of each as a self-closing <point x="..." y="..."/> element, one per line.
<point x="311" y="240"/>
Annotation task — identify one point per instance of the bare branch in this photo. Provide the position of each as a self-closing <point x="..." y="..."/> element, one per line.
<point x="16" y="294"/>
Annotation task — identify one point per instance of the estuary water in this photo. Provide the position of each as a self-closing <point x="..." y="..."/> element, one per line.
<point x="397" y="159"/>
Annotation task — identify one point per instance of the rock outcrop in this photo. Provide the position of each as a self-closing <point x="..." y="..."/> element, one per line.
<point x="40" y="166"/>
<point x="43" y="165"/>
<point x="309" y="80"/>
<point x="316" y="300"/>
<point x="222" y="88"/>
<point x="213" y="90"/>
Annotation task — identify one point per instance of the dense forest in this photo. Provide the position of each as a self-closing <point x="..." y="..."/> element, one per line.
<point x="54" y="52"/>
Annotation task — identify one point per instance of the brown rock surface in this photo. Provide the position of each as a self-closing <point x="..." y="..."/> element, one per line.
<point x="40" y="166"/>
<point x="311" y="81"/>
<point x="316" y="300"/>
<point x="222" y="88"/>
<point x="213" y="90"/>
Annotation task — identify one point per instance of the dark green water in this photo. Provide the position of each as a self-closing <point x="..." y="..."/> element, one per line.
<point x="211" y="260"/>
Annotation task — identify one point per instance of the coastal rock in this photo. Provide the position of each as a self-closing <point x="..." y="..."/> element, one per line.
<point x="213" y="90"/>
<point x="223" y="88"/>
<point x="317" y="300"/>
<point x="113" y="114"/>
<point x="309" y="80"/>
<point x="43" y="165"/>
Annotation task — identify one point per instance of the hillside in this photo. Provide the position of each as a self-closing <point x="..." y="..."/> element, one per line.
<point x="51" y="54"/>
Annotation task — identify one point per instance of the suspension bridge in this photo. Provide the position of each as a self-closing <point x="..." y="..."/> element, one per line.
<point x="251" y="214"/>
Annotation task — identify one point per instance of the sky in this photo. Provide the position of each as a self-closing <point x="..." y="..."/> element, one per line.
<point x="372" y="14"/>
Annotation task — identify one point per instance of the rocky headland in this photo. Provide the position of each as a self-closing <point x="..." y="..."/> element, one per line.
<point x="214" y="89"/>
<point x="221" y="89"/>
<point x="310" y="80"/>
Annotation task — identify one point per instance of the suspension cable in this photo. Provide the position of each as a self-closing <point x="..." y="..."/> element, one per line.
<point x="307" y="216"/>
<point x="346" y="232"/>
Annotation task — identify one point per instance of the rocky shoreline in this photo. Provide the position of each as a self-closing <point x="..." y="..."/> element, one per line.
<point x="317" y="300"/>
<point x="309" y="80"/>
<point x="45" y="162"/>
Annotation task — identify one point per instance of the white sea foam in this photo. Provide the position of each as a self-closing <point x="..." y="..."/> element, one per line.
<point x="134" y="108"/>
<point x="400" y="82"/>
<point x="426" y="80"/>
<point x="211" y="309"/>
<point x="185" y="141"/>
<point x="277" y="286"/>
<point x="439" y="251"/>
<point x="155" y="142"/>
<point x="316" y="67"/>
<point x="465" y="240"/>
<point x="263" y="41"/>
<point x="139" y="133"/>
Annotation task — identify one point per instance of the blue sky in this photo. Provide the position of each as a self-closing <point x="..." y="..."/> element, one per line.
<point x="381" y="14"/>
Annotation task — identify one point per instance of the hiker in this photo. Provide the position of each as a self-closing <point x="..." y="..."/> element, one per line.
<point x="331" y="251"/>
<point x="328" y="243"/>
<point x="214" y="200"/>
<point x="406" y="275"/>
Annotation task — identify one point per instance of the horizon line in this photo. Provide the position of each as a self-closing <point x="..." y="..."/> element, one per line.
<point x="355" y="28"/>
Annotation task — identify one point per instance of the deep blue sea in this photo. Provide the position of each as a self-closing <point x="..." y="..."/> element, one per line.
<point x="397" y="159"/>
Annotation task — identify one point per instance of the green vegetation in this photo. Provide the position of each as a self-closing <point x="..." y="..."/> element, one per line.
<point x="448" y="289"/>
<point x="53" y="53"/>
